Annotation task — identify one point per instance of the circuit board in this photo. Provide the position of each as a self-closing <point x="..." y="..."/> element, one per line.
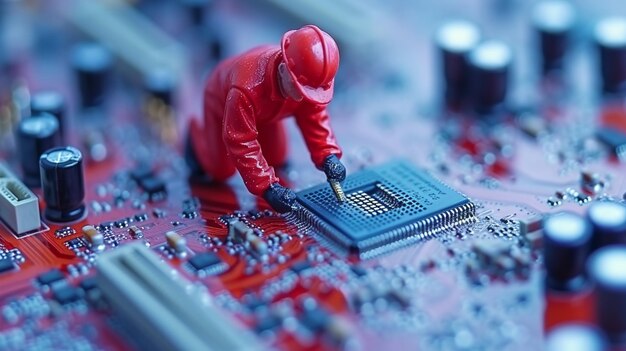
<point x="439" y="246"/>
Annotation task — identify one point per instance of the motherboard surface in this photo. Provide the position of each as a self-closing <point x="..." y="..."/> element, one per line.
<point x="438" y="246"/>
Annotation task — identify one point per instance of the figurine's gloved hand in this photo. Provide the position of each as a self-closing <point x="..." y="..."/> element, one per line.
<point x="280" y="198"/>
<point x="334" y="169"/>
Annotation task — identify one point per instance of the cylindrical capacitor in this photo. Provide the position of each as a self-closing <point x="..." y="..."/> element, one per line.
<point x="35" y="135"/>
<point x="610" y="36"/>
<point x="49" y="102"/>
<point x="553" y="20"/>
<point x="454" y="40"/>
<point x="576" y="337"/>
<point x="63" y="184"/>
<point x="92" y="63"/>
<point x="608" y="221"/>
<point x="606" y="268"/>
<point x="490" y="64"/>
<point x="160" y="85"/>
<point x="567" y="242"/>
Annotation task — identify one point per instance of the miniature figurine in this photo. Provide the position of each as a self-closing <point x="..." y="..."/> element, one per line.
<point x="245" y="100"/>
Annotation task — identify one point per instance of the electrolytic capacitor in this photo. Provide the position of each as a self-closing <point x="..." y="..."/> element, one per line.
<point x="490" y="63"/>
<point x="35" y="135"/>
<point x="567" y="242"/>
<point x="554" y="21"/>
<point x="610" y="37"/>
<point x="160" y="85"/>
<point x="92" y="63"/>
<point x="608" y="221"/>
<point x="606" y="268"/>
<point x="49" y="102"/>
<point x="575" y="337"/>
<point x="63" y="184"/>
<point x="454" y="40"/>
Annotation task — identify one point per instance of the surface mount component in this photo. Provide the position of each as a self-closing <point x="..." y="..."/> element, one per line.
<point x="161" y="307"/>
<point x="387" y="207"/>
<point x="19" y="207"/>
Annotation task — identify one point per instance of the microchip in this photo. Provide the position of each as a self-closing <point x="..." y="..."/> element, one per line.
<point x="6" y="264"/>
<point x="155" y="188"/>
<point x="51" y="276"/>
<point x="65" y="294"/>
<point x="208" y="262"/>
<point x="388" y="207"/>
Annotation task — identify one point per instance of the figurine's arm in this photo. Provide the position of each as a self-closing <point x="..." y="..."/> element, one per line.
<point x="314" y="123"/>
<point x="241" y="139"/>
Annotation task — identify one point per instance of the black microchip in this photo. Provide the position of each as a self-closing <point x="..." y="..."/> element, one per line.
<point x="74" y="243"/>
<point x="6" y="264"/>
<point x="65" y="294"/>
<point x="388" y="207"/>
<point x="204" y="260"/>
<point x="155" y="188"/>
<point x="106" y="225"/>
<point x="614" y="140"/>
<point x="51" y="276"/>
<point x="88" y="283"/>
<point x="315" y="319"/>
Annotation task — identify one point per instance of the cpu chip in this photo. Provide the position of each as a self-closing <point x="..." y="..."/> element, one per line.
<point x="387" y="207"/>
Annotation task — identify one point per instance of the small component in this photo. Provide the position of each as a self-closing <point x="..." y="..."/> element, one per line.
<point x="268" y="321"/>
<point x="606" y="269"/>
<point x="92" y="63"/>
<point x="159" y="213"/>
<point x="207" y="262"/>
<point x="300" y="267"/>
<point x="63" y="232"/>
<point x="567" y="243"/>
<point x="36" y="135"/>
<point x="388" y="207"/>
<point x="610" y="37"/>
<point x="238" y="230"/>
<point x="455" y="40"/>
<point x="165" y="308"/>
<point x="141" y="172"/>
<point x="135" y="232"/>
<point x="189" y="214"/>
<point x="74" y="243"/>
<point x="50" y="277"/>
<point x="94" y="237"/>
<point x="106" y="226"/>
<point x="315" y="320"/>
<point x="88" y="283"/>
<point x="65" y="294"/>
<point x="154" y="187"/>
<point x="50" y="102"/>
<point x="141" y="217"/>
<point x="176" y="243"/>
<point x="490" y="62"/>
<point x="19" y="207"/>
<point x="608" y="221"/>
<point x="591" y="183"/>
<point x="63" y="184"/>
<point x="614" y="140"/>
<point x="554" y="21"/>
<point x="6" y="264"/>
<point x="123" y="223"/>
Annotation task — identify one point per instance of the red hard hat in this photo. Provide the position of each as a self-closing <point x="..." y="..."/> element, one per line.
<point x="312" y="59"/>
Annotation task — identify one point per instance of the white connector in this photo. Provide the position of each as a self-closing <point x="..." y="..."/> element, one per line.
<point x="19" y="207"/>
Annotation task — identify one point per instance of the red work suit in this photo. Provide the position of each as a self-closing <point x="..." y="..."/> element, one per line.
<point x="243" y="128"/>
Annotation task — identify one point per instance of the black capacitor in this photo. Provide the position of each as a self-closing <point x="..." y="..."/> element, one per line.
<point x="567" y="243"/>
<point x="63" y="184"/>
<point x="455" y="40"/>
<point x="606" y="267"/>
<point x="92" y="63"/>
<point x="554" y="21"/>
<point x="490" y="63"/>
<point x="576" y="337"/>
<point x="160" y="84"/>
<point x="608" y="221"/>
<point x="35" y="135"/>
<point x="49" y="102"/>
<point x="610" y="37"/>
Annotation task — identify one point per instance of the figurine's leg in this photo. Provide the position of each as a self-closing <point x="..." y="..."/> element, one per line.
<point x="208" y="147"/>
<point x="273" y="140"/>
